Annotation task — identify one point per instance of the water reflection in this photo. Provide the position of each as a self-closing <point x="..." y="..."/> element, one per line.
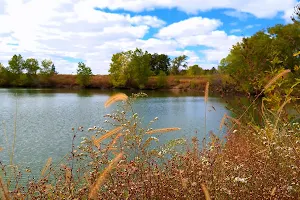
<point x="45" y="118"/>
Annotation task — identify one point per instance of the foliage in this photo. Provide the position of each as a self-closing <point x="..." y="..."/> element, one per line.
<point x="194" y="70"/>
<point x="3" y="75"/>
<point x="84" y="74"/>
<point x="262" y="55"/>
<point x="31" y="65"/>
<point x="130" y="67"/>
<point x="161" y="79"/>
<point x="178" y="62"/>
<point x="140" y="66"/>
<point x="16" y="64"/>
<point x="53" y="69"/>
<point x="47" y="67"/>
<point x="160" y="62"/>
<point x="119" y="68"/>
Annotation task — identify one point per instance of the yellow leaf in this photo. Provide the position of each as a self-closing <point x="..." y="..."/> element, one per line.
<point x="296" y="54"/>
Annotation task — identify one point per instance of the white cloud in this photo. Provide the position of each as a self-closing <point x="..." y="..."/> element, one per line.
<point x="252" y="26"/>
<point x="237" y="30"/>
<point x="258" y="8"/>
<point x="189" y="27"/>
<point x="237" y="14"/>
<point x="288" y="14"/>
<point x="73" y="28"/>
<point x="58" y="29"/>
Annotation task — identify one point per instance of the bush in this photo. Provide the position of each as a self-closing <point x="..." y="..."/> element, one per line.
<point x="161" y="79"/>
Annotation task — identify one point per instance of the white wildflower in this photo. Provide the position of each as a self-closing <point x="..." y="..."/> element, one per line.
<point x="241" y="180"/>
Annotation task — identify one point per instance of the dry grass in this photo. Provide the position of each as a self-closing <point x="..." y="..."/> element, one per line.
<point x="206" y="92"/>
<point x="97" y="141"/>
<point x="100" y="180"/>
<point x="206" y="193"/>
<point x="115" y="98"/>
<point x="4" y="191"/>
<point x="163" y="130"/>
<point x="46" y="167"/>
<point x="275" y="78"/>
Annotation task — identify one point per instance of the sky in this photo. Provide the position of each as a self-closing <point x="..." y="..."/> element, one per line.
<point x="91" y="31"/>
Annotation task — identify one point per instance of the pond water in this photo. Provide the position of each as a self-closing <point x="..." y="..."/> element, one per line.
<point x="45" y="117"/>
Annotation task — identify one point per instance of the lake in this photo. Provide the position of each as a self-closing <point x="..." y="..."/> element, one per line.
<point x="45" y="118"/>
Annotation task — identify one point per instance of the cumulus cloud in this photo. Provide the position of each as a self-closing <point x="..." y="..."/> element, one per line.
<point x="258" y="8"/>
<point x="237" y="30"/>
<point x="237" y="14"/>
<point x="70" y="30"/>
<point x="188" y="27"/>
<point x="63" y="29"/>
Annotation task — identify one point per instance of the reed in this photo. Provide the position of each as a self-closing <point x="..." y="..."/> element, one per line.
<point x="107" y="135"/>
<point x="205" y="191"/>
<point x="275" y="78"/>
<point x="206" y="100"/>
<point x="163" y="130"/>
<point x="100" y="180"/>
<point x="3" y="190"/>
<point x="46" y="167"/>
<point x="115" y="98"/>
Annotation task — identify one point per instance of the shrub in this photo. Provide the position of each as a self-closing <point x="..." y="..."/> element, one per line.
<point x="161" y="79"/>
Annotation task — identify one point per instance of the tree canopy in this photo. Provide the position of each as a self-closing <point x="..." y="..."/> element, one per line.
<point x="83" y="74"/>
<point x="261" y="55"/>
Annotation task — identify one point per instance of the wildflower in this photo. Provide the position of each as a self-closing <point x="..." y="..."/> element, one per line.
<point x="234" y="131"/>
<point x="154" y="138"/>
<point x="289" y="188"/>
<point x="241" y="180"/>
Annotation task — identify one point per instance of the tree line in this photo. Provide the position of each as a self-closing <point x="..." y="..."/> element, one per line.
<point x="135" y="67"/>
<point x="30" y="72"/>
<point x="20" y="72"/>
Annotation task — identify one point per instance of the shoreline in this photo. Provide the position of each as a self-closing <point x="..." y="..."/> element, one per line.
<point x="218" y="84"/>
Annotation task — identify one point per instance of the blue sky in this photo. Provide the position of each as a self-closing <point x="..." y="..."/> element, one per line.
<point x="69" y="31"/>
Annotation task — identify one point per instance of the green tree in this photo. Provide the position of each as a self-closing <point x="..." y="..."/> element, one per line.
<point x="249" y="60"/>
<point x="131" y="67"/>
<point x="119" y="68"/>
<point x="194" y="70"/>
<point x="53" y="69"/>
<point x="160" y="62"/>
<point x="178" y="62"/>
<point x="31" y="65"/>
<point x="4" y="75"/>
<point x="140" y="65"/>
<point x="161" y="79"/>
<point x="84" y="74"/>
<point x="222" y="66"/>
<point x="15" y="64"/>
<point x="46" y="68"/>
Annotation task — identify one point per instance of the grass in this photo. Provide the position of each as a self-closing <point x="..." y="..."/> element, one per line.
<point x="254" y="162"/>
